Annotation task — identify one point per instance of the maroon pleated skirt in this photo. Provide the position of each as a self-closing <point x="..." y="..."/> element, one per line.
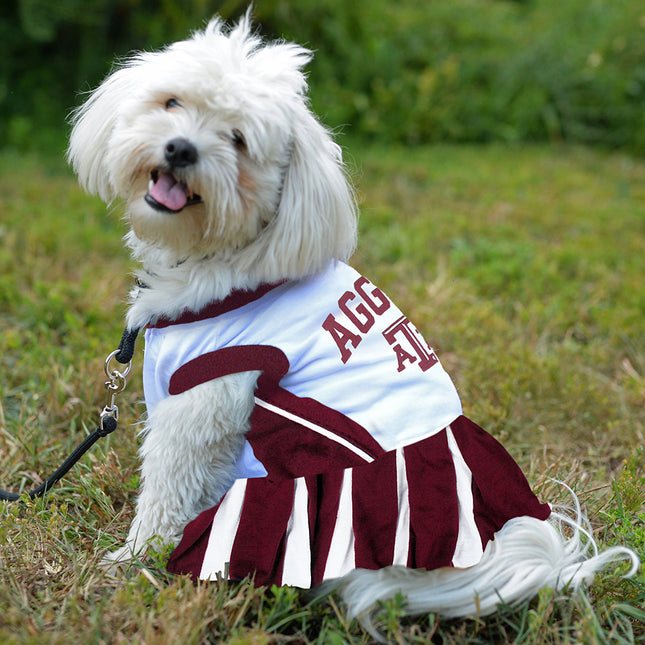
<point x="431" y="504"/>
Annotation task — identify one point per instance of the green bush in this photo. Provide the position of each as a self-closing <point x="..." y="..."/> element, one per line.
<point x="477" y="70"/>
<point x="415" y="71"/>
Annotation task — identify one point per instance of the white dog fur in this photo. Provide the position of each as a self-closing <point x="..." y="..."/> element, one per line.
<point x="274" y="204"/>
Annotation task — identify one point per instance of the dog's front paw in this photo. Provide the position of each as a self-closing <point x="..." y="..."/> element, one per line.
<point x="120" y="559"/>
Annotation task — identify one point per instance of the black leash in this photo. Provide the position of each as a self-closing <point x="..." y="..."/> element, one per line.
<point x="109" y="416"/>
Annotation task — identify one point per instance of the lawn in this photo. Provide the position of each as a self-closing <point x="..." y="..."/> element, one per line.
<point x="523" y="267"/>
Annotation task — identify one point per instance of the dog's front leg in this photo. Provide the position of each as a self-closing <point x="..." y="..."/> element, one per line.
<point x="190" y="446"/>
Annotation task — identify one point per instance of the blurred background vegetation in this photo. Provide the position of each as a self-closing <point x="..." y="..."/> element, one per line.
<point x="410" y="71"/>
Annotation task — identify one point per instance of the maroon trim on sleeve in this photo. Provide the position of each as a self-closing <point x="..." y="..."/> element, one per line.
<point x="232" y="360"/>
<point x="285" y="447"/>
<point x="236" y="299"/>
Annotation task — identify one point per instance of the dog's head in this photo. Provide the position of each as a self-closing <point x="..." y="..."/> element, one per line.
<point x="212" y="147"/>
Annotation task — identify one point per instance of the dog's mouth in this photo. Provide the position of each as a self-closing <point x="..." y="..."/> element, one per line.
<point x="168" y="194"/>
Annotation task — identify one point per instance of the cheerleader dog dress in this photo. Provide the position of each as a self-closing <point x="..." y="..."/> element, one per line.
<point x="358" y="454"/>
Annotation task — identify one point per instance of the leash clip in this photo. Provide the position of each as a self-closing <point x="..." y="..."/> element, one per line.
<point x="114" y="386"/>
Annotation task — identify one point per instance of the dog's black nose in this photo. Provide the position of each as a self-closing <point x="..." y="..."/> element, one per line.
<point x="180" y="153"/>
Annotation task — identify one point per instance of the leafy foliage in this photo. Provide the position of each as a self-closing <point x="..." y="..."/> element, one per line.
<point x="410" y="71"/>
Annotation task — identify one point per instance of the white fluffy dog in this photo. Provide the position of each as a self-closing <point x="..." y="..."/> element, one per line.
<point x="240" y="214"/>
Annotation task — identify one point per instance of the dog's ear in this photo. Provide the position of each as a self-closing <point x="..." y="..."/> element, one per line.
<point x="93" y="124"/>
<point x="316" y="218"/>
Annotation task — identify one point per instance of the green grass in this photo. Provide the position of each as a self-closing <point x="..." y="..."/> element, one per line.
<point x="523" y="267"/>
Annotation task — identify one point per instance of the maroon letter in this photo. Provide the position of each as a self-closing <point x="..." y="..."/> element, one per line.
<point x="376" y="300"/>
<point x="342" y="337"/>
<point x="362" y="325"/>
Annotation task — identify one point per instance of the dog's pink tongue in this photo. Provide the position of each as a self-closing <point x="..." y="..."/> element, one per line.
<point x="169" y="192"/>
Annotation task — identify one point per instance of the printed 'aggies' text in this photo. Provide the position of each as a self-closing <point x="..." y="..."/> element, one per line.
<point x="361" y="307"/>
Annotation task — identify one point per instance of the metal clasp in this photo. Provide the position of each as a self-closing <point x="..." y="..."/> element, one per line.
<point x="114" y="386"/>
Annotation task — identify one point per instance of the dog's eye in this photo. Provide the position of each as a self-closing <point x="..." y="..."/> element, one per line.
<point x="172" y="103"/>
<point x="238" y="139"/>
